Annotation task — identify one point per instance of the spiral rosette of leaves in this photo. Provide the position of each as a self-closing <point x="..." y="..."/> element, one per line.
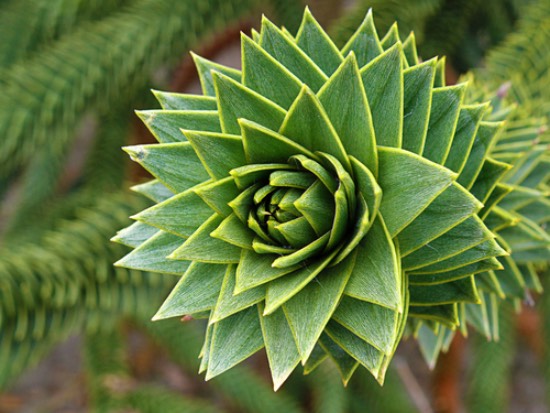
<point x="317" y="199"/>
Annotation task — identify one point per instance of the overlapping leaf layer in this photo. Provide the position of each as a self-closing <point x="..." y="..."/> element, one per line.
<point x="320" y="200"/>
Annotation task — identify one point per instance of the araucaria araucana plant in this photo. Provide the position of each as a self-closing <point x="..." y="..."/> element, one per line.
<point x="320" y="202"/>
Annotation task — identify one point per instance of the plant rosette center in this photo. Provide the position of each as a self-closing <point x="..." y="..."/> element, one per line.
<point x="298" y="211"/>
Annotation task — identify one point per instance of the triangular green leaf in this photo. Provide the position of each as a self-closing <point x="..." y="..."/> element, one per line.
<point x="345" y="102"/>
<point x="391" y="37"/>
<point x="234" y="339"/>
<point x="364" y="42"/>
<point x="202" y="247"/>
<point x="166" y="125"/>
<point x="361" y="351"/>
<point x="484" y="142"/>
<point x="262" y="145"/>
<point x="180" y="215"/>
<point x="375" y="324"/>
<point x="219" y="153"/>
<point x="151" y="255"/>
<point x="229" y="303"/>
<point x="134" y="235"/>
<point x="409" y="50"/>
<point x="153" y="190"/>
<point x="383" y="81"/>
<point x="463" y="290"/>
<point x="174" y="164"/>
<point x="344" y="362"/>
<point x="218" y="194"/>
<point x="283" y="289"/>
<point x="265" y="75"/>
<point x="464" y="236"/>
<point x="376" y="277"/>
<point x="184" y="101"/>
<point x="313" y="40"/>
<point x="285" y="51"/>
<point x="452" y="275"/>
<point x="205" y="68"/>
<point x="233" y="231"/>
<point x="409" y="183"/>
<point x="418" y="81"/>
<point x="443" y="120"/>
<point x="196" y="291"/>
<point x="466" y="130"/>
<point x="449" y="209"/>
<point x="280" y="347"/>
<point x="236" y="101"/>
<point x="255" y="269"/>
<point x="307" y="124"/>
<point x="309" y="311"/>
<point x="484" y="250"/>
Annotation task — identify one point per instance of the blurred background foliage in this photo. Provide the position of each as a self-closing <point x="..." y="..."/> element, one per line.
<point x="71" y="74"/>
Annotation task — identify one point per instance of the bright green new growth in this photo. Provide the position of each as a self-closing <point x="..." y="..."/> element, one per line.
<point x="321" y="201"/>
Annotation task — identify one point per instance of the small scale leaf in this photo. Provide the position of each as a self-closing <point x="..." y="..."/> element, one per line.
<point x="219" y="153"/>
<point x="444" y="114"/>
<point x="236" y="101"/>
<point x="375" y="324"/>
<point x="309" y="311"/>
<point x="409" y="183"/>
<point x="376" y="277"/>
<point x="449" y="209"/>
<point x="286" y="52"/>
<point x="265" y="75"/>
<point x="165" y="124"/>
<point x="203" y="248"/>
<point x="134" y="235"/>
<point x="230" y="303"/>
<point x="314" y="41"/>
<point x="151" y="255"/>
<point x="180" y="215"/>
<point x="344" y="362"/>
<point x="282" y="290"/>
<point x="383" y="81"/>
<point x="361" y="351"/>
<point x="153" y="190"/>
<point x="484" y="141"/>
<point x="466" y="130"/>
<point x="280" y="347"/>
<point x="196" y="291"/>
<point x="418" y="81"/>
<point x="364" y="42"/>
<point x="256" y="269"/>
<point x="307" y="124"/>
<point x="205" y="68"/>
<point x="262" y="145"/>
<point x="463" y="290"/>
<point x="234" y="339"/>
<point x="183" y="101"/>
<point x="345" y="102"/>
<point x="174" y="164"/>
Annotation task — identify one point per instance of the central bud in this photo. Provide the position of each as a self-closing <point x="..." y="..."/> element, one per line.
<point x="299" y="210"/>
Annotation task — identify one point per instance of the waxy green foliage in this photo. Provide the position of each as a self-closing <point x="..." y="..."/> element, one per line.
<point x="517" y="211"/>
<point x="320" y="200"/>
